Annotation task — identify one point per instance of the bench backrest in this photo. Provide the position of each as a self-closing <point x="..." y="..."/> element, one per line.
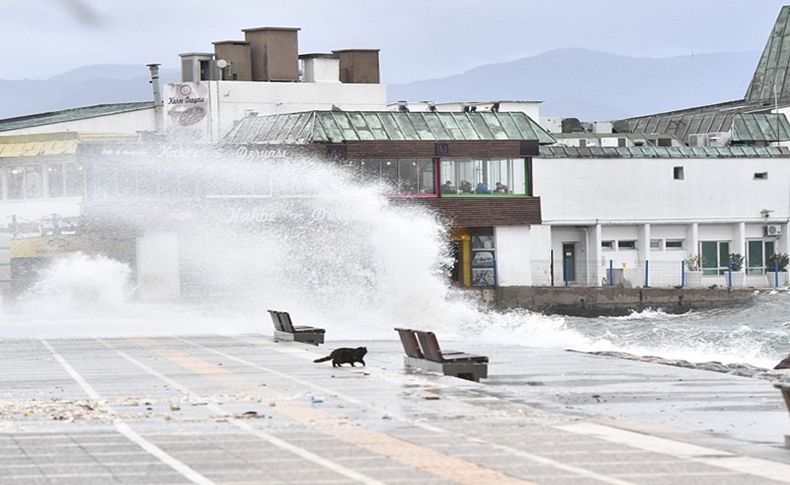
<point x="410" y="344"/>
<point x="285" y="321"/>
<point x="430" y="346"/>
<point x="275" y="319"/>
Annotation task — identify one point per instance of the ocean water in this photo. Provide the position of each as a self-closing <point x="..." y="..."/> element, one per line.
<point x="339" y="255"/>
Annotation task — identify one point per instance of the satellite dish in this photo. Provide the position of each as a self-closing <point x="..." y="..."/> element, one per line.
<point x="222" y="63"/>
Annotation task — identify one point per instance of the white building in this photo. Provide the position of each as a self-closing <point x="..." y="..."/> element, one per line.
<point x="638" y="210"/>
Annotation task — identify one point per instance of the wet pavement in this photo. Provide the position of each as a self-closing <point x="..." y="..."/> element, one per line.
<point x="213" y="409"/>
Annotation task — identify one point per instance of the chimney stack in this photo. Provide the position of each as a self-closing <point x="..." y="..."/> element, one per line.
<point x="274" y="53"/>
<point x="359" y="65"/>
<point x="237" y="53"/>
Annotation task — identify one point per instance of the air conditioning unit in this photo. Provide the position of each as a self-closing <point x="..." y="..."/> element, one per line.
<point x="773" y="230"/>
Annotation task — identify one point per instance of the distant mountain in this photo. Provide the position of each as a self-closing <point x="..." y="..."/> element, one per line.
<point x="84" y="86"/>
<point x="593" y="85"/>
<point x="586" y="84"/>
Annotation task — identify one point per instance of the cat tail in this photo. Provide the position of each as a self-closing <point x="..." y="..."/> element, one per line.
<point x="323" y="359"/>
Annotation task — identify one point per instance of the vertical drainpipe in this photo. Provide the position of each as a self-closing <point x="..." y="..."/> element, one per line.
<point x="154" y="68"/>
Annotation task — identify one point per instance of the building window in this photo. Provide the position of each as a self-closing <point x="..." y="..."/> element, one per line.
<point x="608" y="245"/>
<point x="664" y="142"/>
<point x="583" y="143"/>
<point x="674" y="244"/>
<point x="621" y="142"/>
<point x="463" y="176"/>
<point x="483" y="258"/>
<point x="757" y="254"/>
<point x="15" y="180"/>
<point x="626" y="244"/>
<point x="404" y="176"/>
<point x="655" y="245"/>
<point x="677" y="173"/>
<point x="715" y="256"/>
<point x="761" y="176"/>
<point x="55" y="185"/>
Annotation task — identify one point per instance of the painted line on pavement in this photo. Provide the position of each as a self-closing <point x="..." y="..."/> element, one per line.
<point x="183" y="469"/>
<point x="709" y="456"/>
<point x="523" y="454"/>
<point x="413" y="455"/>
<point x="301" y="452"/>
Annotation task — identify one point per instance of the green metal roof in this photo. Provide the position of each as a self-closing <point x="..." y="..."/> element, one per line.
<point x="341" y="126"/>
<point x="71" y="114"/>
<point x="746" y="127"/>
<point x="774" y="67"/>
<point x="557" y="151"/>
<point x="760" y="127"/>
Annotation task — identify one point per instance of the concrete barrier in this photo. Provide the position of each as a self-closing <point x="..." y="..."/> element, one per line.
<point x="589" y="301"/>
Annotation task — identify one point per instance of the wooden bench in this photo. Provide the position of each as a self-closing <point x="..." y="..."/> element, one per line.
<point x="285" y="330"/>
<point x="423" y="352"/>
<point x="785" y="390"/>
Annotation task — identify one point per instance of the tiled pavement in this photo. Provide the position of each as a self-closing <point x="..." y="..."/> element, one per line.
<point x="246" y="410"/>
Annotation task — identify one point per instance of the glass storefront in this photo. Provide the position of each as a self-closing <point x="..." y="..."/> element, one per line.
<point x="35" y="181"/>
<point x="466" y="176"/>
<point x="403" y="175"/>
<point x="757" y="256"/>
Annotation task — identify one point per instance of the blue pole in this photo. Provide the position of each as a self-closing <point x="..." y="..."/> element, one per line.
<point x="647" y="273"/>
<point x="682" y="274"/>
<point x="611" y="273"/>
<point x="729" y="274"/>
<point x="495" y="282"/>
<point x="776" y="273"/>
<point x="565" y="270"/>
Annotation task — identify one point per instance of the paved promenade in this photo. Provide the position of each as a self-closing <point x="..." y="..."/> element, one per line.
<point x="246" y="410"/>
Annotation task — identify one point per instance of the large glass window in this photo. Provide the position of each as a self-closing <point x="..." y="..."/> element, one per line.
<point x="715" y="256"/>
<point x="403" y="175"/>
<point x="483" y="258"/>
<point x="757" y="256"/>
<point x="15" y="178"/>
<point x="55" y="180"/>
<point x="34" y="181"/>
<point x="465" y="176"/>
<point x="75" y="180"/>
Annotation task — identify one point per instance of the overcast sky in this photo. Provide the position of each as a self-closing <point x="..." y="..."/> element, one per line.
<point x="419" y="39"/>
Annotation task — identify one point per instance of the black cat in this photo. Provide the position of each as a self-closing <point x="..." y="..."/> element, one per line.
<point x="345" y="356"/>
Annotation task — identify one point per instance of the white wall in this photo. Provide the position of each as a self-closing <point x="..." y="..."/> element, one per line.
<point x="581" y="191"/>
<point x="513" y="255"/>
<point x="128" y="122"/>
<point x="230" y="101"/>
<point x="540" y="251"/>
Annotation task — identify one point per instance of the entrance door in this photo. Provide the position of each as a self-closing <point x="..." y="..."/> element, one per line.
<point x="568" y="262"/>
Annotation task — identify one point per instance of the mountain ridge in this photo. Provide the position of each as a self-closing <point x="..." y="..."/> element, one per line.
<point x="571" y="82"/>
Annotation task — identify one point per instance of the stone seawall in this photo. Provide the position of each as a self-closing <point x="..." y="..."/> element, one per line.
<point x="585" y="301"/>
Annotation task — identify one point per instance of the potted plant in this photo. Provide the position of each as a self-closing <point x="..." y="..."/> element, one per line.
<point x="694" y="264"/>
<point x="736" y="266"/>
<point x="780" y="260"/>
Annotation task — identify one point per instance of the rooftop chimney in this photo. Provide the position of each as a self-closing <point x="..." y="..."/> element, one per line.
<point x="154" y="68"/>
<point x="359" y="65"/>
<point x="237" y="53"/>
<point x="274" y="53"/>
<point x="320" y="68"/>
